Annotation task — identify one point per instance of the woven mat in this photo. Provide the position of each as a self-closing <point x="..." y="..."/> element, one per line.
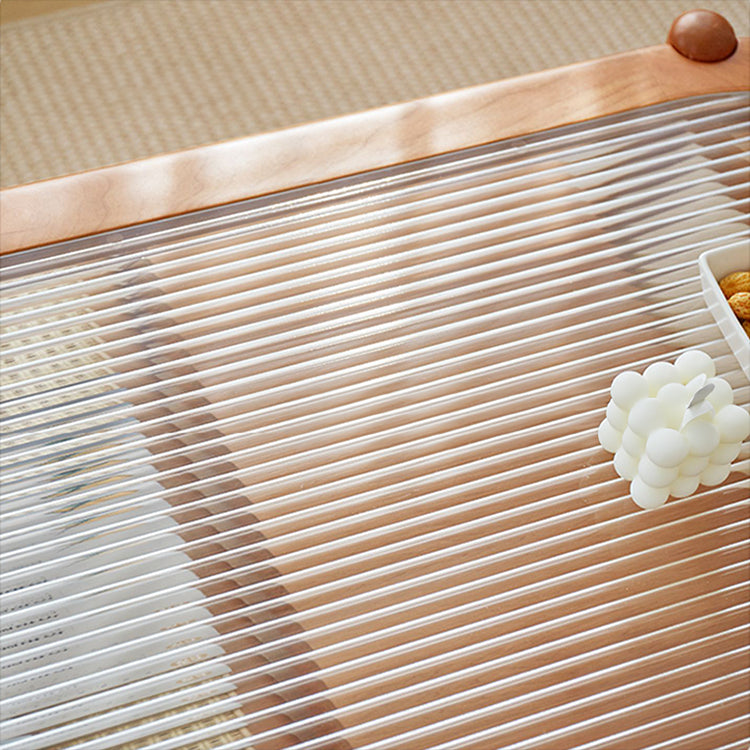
<point x="124" y="79"/>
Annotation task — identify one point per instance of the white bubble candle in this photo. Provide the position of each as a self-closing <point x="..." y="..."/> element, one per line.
<point x="673" y="428"/>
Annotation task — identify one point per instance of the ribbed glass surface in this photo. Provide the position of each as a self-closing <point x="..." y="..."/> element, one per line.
<point x="321" y="470"/>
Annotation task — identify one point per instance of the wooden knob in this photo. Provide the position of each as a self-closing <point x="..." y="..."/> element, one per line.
<point x="703" y="35"/>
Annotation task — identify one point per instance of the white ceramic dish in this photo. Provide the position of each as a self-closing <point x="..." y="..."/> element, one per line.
<point x="714" y="265"/>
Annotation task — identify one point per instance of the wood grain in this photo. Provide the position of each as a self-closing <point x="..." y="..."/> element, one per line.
<point x="177" y="183"/>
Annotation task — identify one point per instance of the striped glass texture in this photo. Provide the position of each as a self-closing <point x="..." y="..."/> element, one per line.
<point x="320" y="470"/>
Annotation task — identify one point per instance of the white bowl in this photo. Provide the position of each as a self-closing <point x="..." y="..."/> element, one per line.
<point x="714" y="265"/>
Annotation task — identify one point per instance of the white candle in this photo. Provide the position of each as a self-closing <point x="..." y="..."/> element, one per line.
<point x="673" y="428"/>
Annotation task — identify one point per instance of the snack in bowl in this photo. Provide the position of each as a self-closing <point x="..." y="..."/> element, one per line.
<point x="739" y="281"/>
<point x="740" y="304"/>
<point x="726" y="290"/>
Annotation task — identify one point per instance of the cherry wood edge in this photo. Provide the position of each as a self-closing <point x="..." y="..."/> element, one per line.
<point x="172" y="184"/>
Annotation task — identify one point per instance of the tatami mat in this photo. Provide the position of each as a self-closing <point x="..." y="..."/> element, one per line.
<point x="123" y="79"/>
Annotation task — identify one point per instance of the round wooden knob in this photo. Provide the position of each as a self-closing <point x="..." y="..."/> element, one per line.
<point x="703" y="35"/>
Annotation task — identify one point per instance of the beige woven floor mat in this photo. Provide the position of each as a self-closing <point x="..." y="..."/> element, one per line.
<point x="124" y="79"/>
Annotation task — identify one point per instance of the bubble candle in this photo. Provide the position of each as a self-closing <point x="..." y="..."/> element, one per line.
<point x="673" y="428"/>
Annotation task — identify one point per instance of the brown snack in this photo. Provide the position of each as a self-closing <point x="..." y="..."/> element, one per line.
<point x="746" y="326"/>
<point x="740" y="304"/>
<point x="739" y="281"/>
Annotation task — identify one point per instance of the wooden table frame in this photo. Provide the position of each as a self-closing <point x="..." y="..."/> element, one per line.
<point x="206" y="176"/>
<point x="222" y="174"/>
